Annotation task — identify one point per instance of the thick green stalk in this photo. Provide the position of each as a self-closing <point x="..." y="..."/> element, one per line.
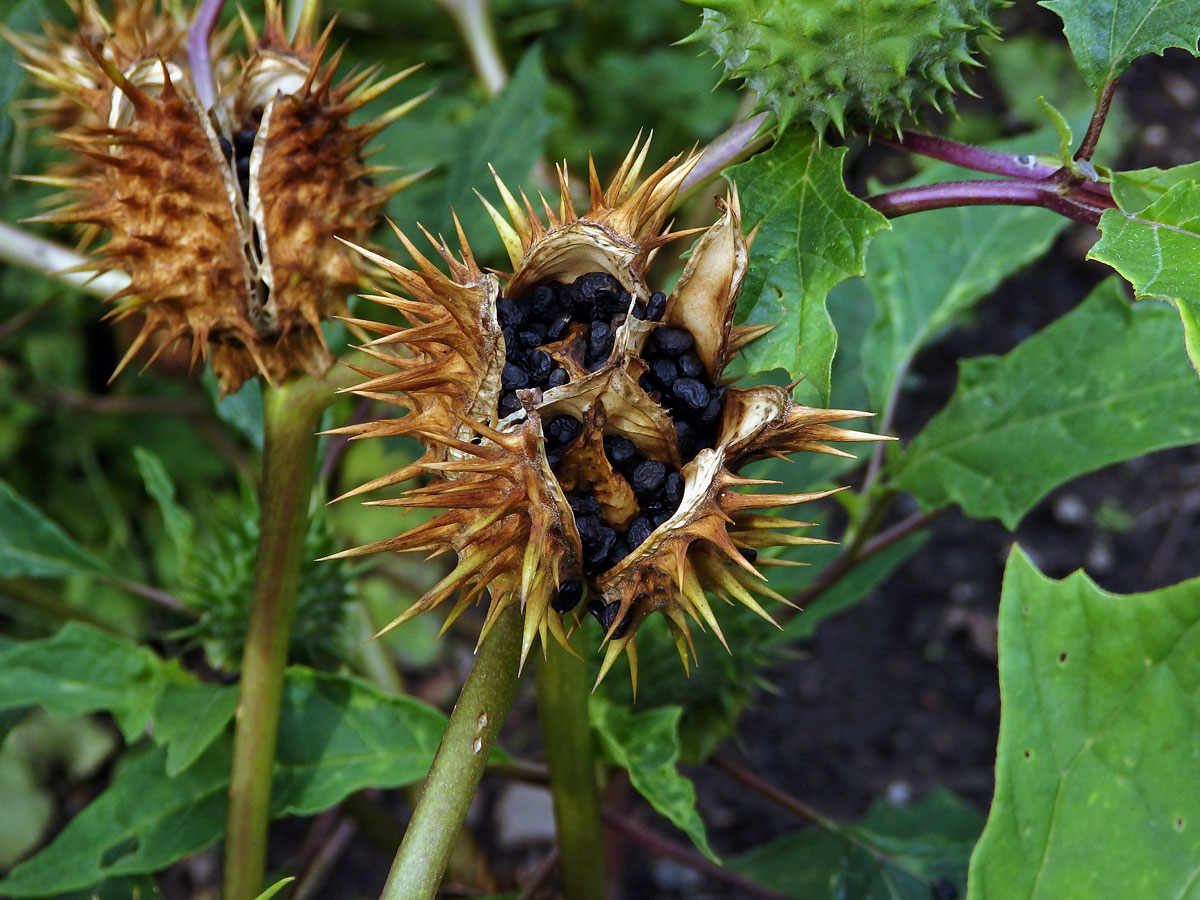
<point x="291" y="417"/>
<point x="562" y="693"/>
<point x="466" y="744"/>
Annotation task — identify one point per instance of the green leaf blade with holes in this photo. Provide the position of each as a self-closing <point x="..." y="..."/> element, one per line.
<point x="1098" y="750"/>
<point x="1107" y="35"/>
<point x="812" y="234"/>
<point x="1105" y="383"/>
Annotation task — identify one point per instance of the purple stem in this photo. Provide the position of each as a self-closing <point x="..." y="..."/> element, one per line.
<point x="197" y="51"/>
<point x="1015" y="165"/>
<point x="1082" y="206"/>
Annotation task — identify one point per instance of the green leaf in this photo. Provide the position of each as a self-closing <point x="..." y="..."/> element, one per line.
<point x="275" y="888"/>
<point x="189" y="717"/>
<point x="337" y="735"/>
<point x="931" y="268"/>
<point x="1107" y="35"/>
<point x="812" y="234"/>
<point x="891" y="854"/>
<point x="1158" y="249"/>
<point x="81" y="670"/>
<point x="143" y="822"/>
<point x="1104" y="383"/>
<point x="33" y="545"/>
<point x="179" y="522"/>
<point x="1136" y="189"/>
<point x="646" y="745"/>
<point x="1098" y="753"/>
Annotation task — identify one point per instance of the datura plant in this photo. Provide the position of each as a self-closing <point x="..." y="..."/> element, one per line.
<point x="222" y="181"/>
<point x="579" y="432"/>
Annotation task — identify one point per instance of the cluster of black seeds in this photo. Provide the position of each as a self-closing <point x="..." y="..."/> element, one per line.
<point x="595" y="304"/>
<point x="677" y="380"/>
<point x="586" y="314"/>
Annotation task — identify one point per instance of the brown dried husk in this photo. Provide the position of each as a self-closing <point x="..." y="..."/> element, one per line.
<point x="246" y="280"/>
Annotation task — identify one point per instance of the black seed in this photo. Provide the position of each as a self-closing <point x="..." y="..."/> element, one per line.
<point x="243" y="168"/>
<point x="639" y="531"/>
<point x="510" y="341"/>
<point x="596" y="550"/>
<point x="567" y="596"/>
<point x="509" y="313"/>
<point x="616" y="553"/>
<point x="532" y="334"/>
<point x="711" y="412"/>
<point x="558" y="327"/>
<point x="673" y="489"/>
<point x="672" y="340"/>
<point x="583" y="504"/>
<point x="538" y="364"/>
<point x="749" y="554"/>
<point x="664" y="372"/>
<point x="659" y="517"/>
<point x="589" y="527"/>
<point x="646" y="383"/>
<point x="509" y="404"/>
<point x="691" y="392"/>
<point x="648" y="477"/>
<point x="513" y="377"/>
<point x="564" y="429"/>
<point x="690" y="365"/>
<point x="553" y="459"/>
<point x="226" y="148"/>
<point x="557" y="378"/>
<point x="243" y="141"/>
<point x="656" y="306"/>
<point x="600" y="292"/>
<point x="596" y="607"/>
<point x="600" y="341"/>
<point x="543" y="301"/>
<point x="619" y="631"/>
<point x="619" y="449"/>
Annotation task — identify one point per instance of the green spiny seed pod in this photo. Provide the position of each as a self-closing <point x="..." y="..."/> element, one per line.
<point x="847" y="62"/>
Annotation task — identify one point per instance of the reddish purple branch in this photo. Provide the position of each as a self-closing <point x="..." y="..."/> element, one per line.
<point x="1080" y="205"/>
<point x="197" y="51"/>
<point x="1014" y="165"/>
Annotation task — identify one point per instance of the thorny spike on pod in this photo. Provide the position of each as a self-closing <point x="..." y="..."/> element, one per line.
<point x="577" y="432"/>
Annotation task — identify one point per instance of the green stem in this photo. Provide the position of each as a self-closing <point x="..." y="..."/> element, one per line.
<point x="291" y="416"/>
<point x="562" y="692"/>
<point x="461" y="758"/>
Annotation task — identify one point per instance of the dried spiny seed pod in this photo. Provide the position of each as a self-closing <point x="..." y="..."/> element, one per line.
<point x="224" y="216"/>
<point x="577" y="427"/>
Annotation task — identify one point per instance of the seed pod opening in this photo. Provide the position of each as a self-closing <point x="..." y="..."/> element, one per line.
<point x="577" y="429"/>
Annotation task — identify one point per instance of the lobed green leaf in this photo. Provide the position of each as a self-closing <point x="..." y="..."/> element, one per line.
<point x="1098" y="743"/>
<point x="812" y="234"/>
<point x="1157" y="248"/>
<point x="646" y="745"/>
<point x="1107" y="35"/>
<point x="1105" y="383"/>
